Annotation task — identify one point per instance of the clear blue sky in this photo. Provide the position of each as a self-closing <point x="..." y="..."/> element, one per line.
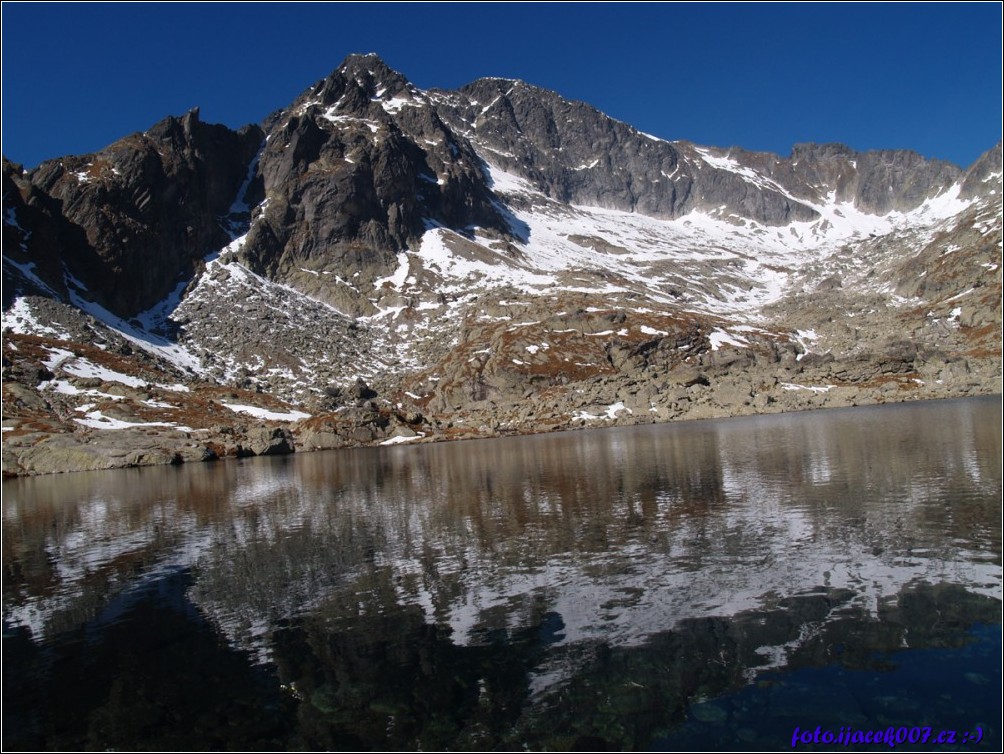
<point x="925" y="77"/>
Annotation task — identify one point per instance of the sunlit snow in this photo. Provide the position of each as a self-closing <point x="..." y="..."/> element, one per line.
<point x="264" y="413"/>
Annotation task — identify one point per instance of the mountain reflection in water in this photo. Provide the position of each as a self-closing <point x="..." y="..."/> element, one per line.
<point x="596" y="588"/>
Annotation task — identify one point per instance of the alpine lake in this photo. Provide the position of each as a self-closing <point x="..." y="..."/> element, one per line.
<point x="762" y="583"/>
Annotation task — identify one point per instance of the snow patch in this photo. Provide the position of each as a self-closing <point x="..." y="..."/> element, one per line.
<point x="264" y="413"/>
<point x="611" y="412"/>
<point x="81" y="367"/>
<point x="97" y="420"/>
<point x="399" y="440"/>
<point x="812" y="388"/>
<point x="175" y="353"/>
<point x="20" y="319"/>
<point x="720" y="337"/>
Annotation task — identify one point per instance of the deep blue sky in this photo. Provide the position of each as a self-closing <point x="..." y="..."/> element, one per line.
<point x="925" y="77"/>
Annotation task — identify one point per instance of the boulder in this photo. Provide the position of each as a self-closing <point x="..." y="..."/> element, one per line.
<point x="360" y="391"/>
<point x="687" y="376"/>
<point x="270" y="441"/>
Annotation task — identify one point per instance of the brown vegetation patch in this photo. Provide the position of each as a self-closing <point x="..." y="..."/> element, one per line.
<point x="18" y="346"/>
<point x="328" y="421"/>
<point x="984" y="353"/>
<point x="992" y="298"/>
<point x="978" y="333"/>
<point x="33" y="425"/>
<point x="568" y="356"/>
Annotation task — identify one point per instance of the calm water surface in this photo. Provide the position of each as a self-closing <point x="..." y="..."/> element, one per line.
<point x="698" y="585"/>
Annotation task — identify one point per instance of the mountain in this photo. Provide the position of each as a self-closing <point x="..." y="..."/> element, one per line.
<point x="381" y="264"/>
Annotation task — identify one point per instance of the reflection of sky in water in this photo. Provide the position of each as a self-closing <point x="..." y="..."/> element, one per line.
<point x="622" y="533"/>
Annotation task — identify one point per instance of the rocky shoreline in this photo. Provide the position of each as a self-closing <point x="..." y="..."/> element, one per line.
<point x="45" y="453"/>
<point x="36" y="441"/>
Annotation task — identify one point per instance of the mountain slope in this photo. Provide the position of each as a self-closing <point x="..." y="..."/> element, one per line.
<point x="378" y="263"/>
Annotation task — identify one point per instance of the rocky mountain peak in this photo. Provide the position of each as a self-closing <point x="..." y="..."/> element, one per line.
<point x="187" y="123"/>
<point x="493" y="86"/>
<point x="359" y="80"/>
<point x="128" y="222"/>
<point x="354" y="173"/>
<point x="368" y="64"/>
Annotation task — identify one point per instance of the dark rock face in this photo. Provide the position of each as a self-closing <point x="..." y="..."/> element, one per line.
<point x="876" y="182"/>
<point x="132" y="220"/>
<point x="356" y="170"/>
<point x="574" y="153"/>
<point x="36" y="234"/>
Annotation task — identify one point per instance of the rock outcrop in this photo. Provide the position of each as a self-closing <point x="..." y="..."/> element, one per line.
<point x="573" y="153"/>
<point x="129" y="223"/>
<point x="354" y="172"/>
